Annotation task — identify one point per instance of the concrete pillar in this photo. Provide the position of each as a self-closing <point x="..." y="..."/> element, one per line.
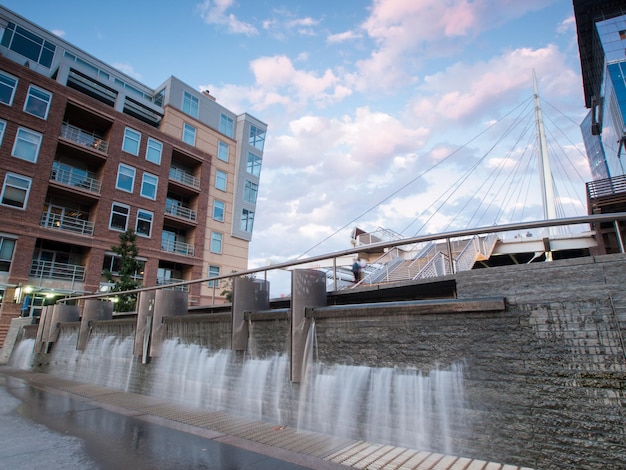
<point x="11" y="338"/>
<point x="61" y="313"/>
<point x="145" y="313"/>
<point x="42" y="330"/>
<point x="248" y="295"/>
<point x="93" y="309"/>
<point x="167" y="303"/>
<point x="308" y="289"/>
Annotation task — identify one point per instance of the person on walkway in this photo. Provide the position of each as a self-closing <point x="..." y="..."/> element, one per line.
<point x="356" y="270"/>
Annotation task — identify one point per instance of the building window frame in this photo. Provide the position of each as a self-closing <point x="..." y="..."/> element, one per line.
<point x="3" y="127"/>
<point x="227" y="125"/>
<point x="125" y="180"/>
<point x="8" y="86"/>
<point x="143" y="224"/>
<point x="149" y="188"/>
<point x="154" y="151"/>
<point x="250" y="191"/>
<point x="119" y="212"/>
<point x="257" y="137"/>
<point x="221" y="180"/>
<point x="247" y="220"/>
<point x="222" y="151"/>
<point x="217" y="241"/>
<point x="13" y="186"/>
<point x="38" y="102"/>
<point x="27" y="145"/>
<point x="189" y="134"/>
<point x="191" y="104"/>
<point x="253" y="165"/>
<point x="213" y="271"/>
<point x="7" y="250"/>
<point x="132" y="141"/>
<point x="219" y="209"/>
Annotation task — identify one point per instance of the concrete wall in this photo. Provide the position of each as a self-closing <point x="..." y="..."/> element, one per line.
<point x="544" y="377"/>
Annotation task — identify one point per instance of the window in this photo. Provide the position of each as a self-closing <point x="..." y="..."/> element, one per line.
<point x="15" y="191"/>
<point x="226" y="125"/>
<point x="250" y="191"/>
<point x="149" y="185"/>
<point x="144" y="223"/>
<point x="190" y="104"/>
<point x="247" y="220"/>
<point x="113" y="263"/>
<point x="119" y="217"/>
<point x="27" y="144"/>
<point x="28" y="45"/>
<point x="3" y="126"/>
<point x="220" y="180"/>
<point x="8" y="84"/>
<point x="131" y="142"/>
<point x="257" y="137"/>
<point x="189" y="134"/>
<point x="7" y="245"/>
<point x="216" y="242"/>
<point x="218" y="210"/>
<point x="222" y="151"/>
<point x="254" y="164"/>
<point x="214" y="271"/>
<point x="125" y="178"/>
<point x="154" y="151"/>
<point x="37" y="102"/>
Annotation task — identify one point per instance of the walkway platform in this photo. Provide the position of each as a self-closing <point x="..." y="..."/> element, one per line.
<point x="307" y="449"/>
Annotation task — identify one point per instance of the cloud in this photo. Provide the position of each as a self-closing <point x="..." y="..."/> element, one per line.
<point x="343" y="37"/>
<point x="58" y="32"/>
<point x="215" y="12"/>
<point x="128" y="70"/>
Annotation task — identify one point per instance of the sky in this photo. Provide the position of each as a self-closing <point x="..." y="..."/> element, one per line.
<point x="410" y="115"/>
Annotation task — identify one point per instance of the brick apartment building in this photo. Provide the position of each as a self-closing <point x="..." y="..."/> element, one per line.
<point x="87" y="152"/>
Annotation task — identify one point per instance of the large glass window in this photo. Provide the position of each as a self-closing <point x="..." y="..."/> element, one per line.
<point x="220" y="180"/>
<point x="144" y="223"/>
<point x="149" y="185"/>
<point x="226" y="125"/>
<point x="190" y="104"/>
<point x="7" y="246"/>
<point x="37" y="102"/>
<point x="15" y="191"/>
<point x="154" y="151"/>
<point x="125" y="178"/>
<point x="189" y="134"/>
<point x="257" y="137"/>
<point x="3" y="126"/>
<point x="216" y="242"/>
<point x="254" y="164"/>
<point x="218" y="210"/>
<point x="214" y="271"/>
<point x="28" y="44"/>
<point x="132" y="139"/>
<point x="250" y="191"/>
<point x="27" y="145"/>
<point x="119" y="217"/>
<point x="8" y="84"/>
<point x="247" y="220"/>
<point x="222" y="151"/>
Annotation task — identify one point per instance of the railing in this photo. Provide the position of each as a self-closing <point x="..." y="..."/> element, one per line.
<point x="66" y="223"/>
<point x="75" y="177"/>
<point x="616" y="219"/>
<point x="84" y="138"/>
<point x="184" y="177"/>
<point x="607" y="187"/>
<point x="161" y="281"/>
<point x="179" y="210"/>
<point x="180" y="248"/>
<point x="51" y="270"/>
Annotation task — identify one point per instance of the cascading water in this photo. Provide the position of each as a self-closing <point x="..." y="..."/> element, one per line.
<point x="22" y="356"/>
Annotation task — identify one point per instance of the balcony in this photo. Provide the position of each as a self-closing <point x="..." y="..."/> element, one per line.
<point x="162" y="281"/>
<point x="177" y="247"/>
<point x="86" y="139"/>
<point x="178" y="209"/>
<point x="51" y="270"/>
<point x="75" y="177"/>
<point x="184" y="177"/>
<point x="66" y="223"/>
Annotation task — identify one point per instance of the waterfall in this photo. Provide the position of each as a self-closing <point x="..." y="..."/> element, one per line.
<point x="22" y="355"/>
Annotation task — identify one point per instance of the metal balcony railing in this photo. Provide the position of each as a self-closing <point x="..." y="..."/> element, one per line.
<point x="607" y="187"/>
<point x="180" y="248"/>
<point x="179" y="210"/>
<point x="66" y="223"/>
<point x="75" y="177"/>
<point x="52" y="270"/>
<point x="84" y="138"/>
<point x="161" y="281"/>
<point x="184" y="177"/>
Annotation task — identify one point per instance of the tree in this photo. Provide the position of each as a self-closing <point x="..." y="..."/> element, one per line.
<point x="128" y="268"/>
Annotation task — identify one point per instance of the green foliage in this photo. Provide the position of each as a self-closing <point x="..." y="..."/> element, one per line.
<point x="129" y="266"/>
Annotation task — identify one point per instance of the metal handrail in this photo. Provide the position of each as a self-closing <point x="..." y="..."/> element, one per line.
<point x="52" y="270"/>
<point x="184" y="177"/>
<point x="587" y="219"/>
<point x="67" y="223"/>
<point x="180" y="248"/>
<point x="75" y="177"/>
<point x="178" y="209"/>
<point x="84" y="138"/>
